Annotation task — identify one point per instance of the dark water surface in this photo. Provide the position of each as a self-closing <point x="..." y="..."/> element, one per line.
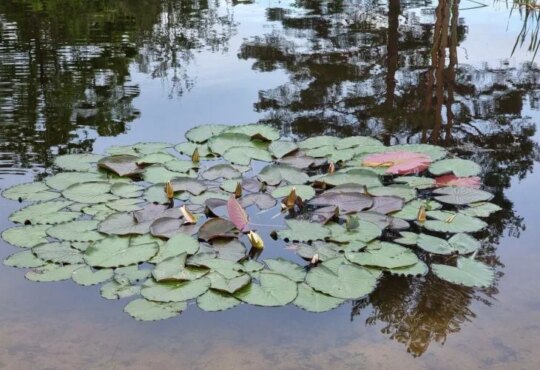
<point x="81" y="75"/>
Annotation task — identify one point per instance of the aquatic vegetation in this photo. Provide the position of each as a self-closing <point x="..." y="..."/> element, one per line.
<point x="179" y="226"/>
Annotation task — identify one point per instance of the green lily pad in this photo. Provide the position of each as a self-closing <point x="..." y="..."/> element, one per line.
<point x="24" y="259"/>
<point x="89" y="192"/>
<point x="324" y="251"/>
<point x="175" y="246"/>
<point x="225" y="171"/>
<point x="418" y="269"/>
<point x="60" y="253"/>
<point x="154" y="158"/>
<point x="480" y="209"/>
<point x="457" y="166"/>
<point x="123" y="224"/>
<point x="175" y="269"/>
<point x="201" y="134"/>
<point x="280" y="149"/>
<point x="144" y="310"/>
<point x="32" y="192"/>
<point x="274" y="174"/>
<point x="303" y="191"/>
<point x="407" y="238"/>
<point x="188" y="149"/>
<point x="26" y="236"/>
<point x="212" y="301"/>
<point x="310" y="300"/>
<point x="180" y="166"/>
<point x="243" y="156"/>
<point x="77" y="162"/>
<point x="416" y="182"/>
<point x="156" y="194"/>
<point x="116" y="290"/>
<point x="468" y="272"/>
<point x="384" y="255"/>
<point x="126" y="204"/>
<point x="286" y="268"/>
<point x="303" y="231"/>
<point x="85" y="276"/>
<point x="461" y="195"/>
<point x="365" y="232"/>
<point x="250" y="266"/>
<point x="450" y="222"/>
<point x="131" y="274"/>
<point x="156" y="174"/>
<point x="357" y="141"/>
<point x="76" y="231"/>
<point x="118" y="251"/>
<point x="256" y="131"/>
<point x="47" y="213"/>
<point x="122" y="165"/>
<point x="459" y="243"/>
<point x="273" y="290"/>
<point x="360" y="177"/>
<point x="345" y="281"/>
<point x="221" y="143"/>
<point x="173" y="291"/>
<point x="228" y="285"/>
<point x="64" y="180"/>
<point x="126" y="190"/>
<point x="52" y="272"/>
<point x="411" y="209"/>
<point x="318" y="141"/>
<point x="401" y="191"/>
<point x="99" y="212"/>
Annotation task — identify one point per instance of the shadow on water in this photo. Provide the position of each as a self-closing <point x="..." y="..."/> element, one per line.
<point x="390" y="70"/>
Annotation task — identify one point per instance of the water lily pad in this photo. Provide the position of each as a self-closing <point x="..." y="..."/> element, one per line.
<point x="217" y="228"/>
<point x="33" y="192"/>
<point x="212" y="301"/>
<point x="324" y="251"/>
<point x="152" y="147"/>
<point x="175" y="246"/>
<point x="250" y="266"/>
<point x="286" y="268"/>
<point x="256" y="131"/>
<point x="47" y="213"/>
<point x="450" y="222"/>
<point x="180" y="166"/>
<point x="222" y="170"/>
<point x="468" y="272"/>
<point x="410" y="210"/>
<point x="24" y="259"/>
<point x="461" y="196"/>
<point x="457" y="166"/>
<point x="357" y="141"/>
<point x="400" y="191"/>
<point x="385" y="205"/>
<point x="156" y="174"/>
<point x="418" y="269"/>
<point x="360" y="177"/>
<point x="407" y="238"/>
<point x="190" y="185"/>
<point x="384" y="255"/>
<point x="274" y="174"/>
<point x="173" y="291"/>
<point x="228" y="285"/>
<point x="154" y="158"/>
<point x="85" y="276"/>
<point x="77" y="162"/>
<point x="221" y="143"/>
<point x="123" y="224"/>
<point x="63" y="180"/>
<point x="131" y="274"/>
<point x="144" y="310"/>
<point x="261" y="200"/>
<point x="313" y="301"/>
<point x="273" y="290"/>
<point x="345" y="281"/>
<point x="52" y="272"/>
<point x="188" y="149"/>
<point x="459" y="243"/>
<point x="480" y="209"/>
<point x="126" y="204"/>
<point x="122" y="165"/>
<point x="303" y="231"/>
<point x="318" y="141"/>
<point x="118" y="251"/>
<point x="303" y="191"/>
<point x="243" y="156"/>
<point x="416" y="182"/>
<point x="280" y="149"/>
<point x="76" y="231"/>
<point x="156" y="194"/>
<point x="116" y="290"/>
<point x="89" y="192"/>
<point x="60" y="253"/>
<point x="365" y="232"/>
<point x="175" y="269"/>
<point x="126" y="190"/>
<point x="232" y="250"/>
<point x="26" y="236"/>
<point x="347" y="202"/>
<point x="201" y="134"/>
<point x="167" y="227"/>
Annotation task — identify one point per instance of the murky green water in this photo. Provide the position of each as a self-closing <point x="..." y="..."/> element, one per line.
<point x="79" y="76"/>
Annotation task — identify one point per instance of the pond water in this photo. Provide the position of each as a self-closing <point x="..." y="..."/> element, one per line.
<point x="82" y="76"/>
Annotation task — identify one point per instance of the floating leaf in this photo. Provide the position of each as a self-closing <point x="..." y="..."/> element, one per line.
<point x="175" y="246"/>
<point x="221" y="283"/>
<point x="348" y="202"/>
<point x="192" y="186"/>
<point x="261" y="200"/>
<point x="411" y="209"/>
<point x="459" y="243"/>
<point x="212" y="301"/>
<point x="387" y="205"/>
<point x="85" y="276"/>
<point x="256" y="131"/>
<point x="63" y="180"/>
<point x="172" y="291"/>
<point x="400" y="191"/>
<point x="364" y="233"/>
<point x="384" y="255"/>
<point x="416" y="182"/>
<point x="154" y="158"/>
<point x="116" y="290"/>
<point x="345" y="282"/>
<point x="459" y="167"/>
<point x="221" y="143"/>
<point x="26" y="236"/>
<point x="318" y="141"/>
<point x="126" y="190"/>
<point x="357" y="176"/>
<point x="303" y="231"/>
<point x="399" y="163"/>
<point x="200" y="134"/>
<point x="24" y="259"/>
<point x="33" y="192"/>
<point x="451" y="180"/>
<point x="232" y="250"/>
<point x="323" y="251"/>
<point x="273" y="290"/>
<point x="188" y="149"/>
<point x="310" y="300"/>
<point x="407" y="238"/>
<point x="52" y="272"/>
<point x="89" y="192"/>
<point x="274" y="174"/>
<point x="144" y="310"/>
<point x="167" y="227"/>
<point x="303" y="191"/>
<point x="222" y="170"/>
<point x="123" y="224"/>
<point x="243" y="156"/>
<point x="131" y="274"/>
<point x="418" y="269"/>
<point x="480" y="209"/>
<point x="450" y="222"/>
<point x="280" y="149"/>
<point x="44" y="213"/>
<point x="286" y="268"/>
<point x="156" y="174"/>
<point x="174" y="269"/>
<point x="217" y="228"/>
<point x="122" y="165"/>
<point x="77" y="162"/>
<point x="126" y="205"/>
<point x="60" y="253"/>
<point x="76" y="231"/>
<point x="468" y="272"/>
<point x="357" y="141"/>
<point x="117" y="251"/>
<point x="461" y="195"/>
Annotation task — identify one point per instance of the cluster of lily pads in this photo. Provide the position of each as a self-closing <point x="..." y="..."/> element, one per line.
<point x="174" y="225"/>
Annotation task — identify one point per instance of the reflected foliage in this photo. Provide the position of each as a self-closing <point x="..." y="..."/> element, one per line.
<point x="392" y="71"/>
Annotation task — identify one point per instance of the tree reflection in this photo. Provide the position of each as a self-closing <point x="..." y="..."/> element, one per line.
<point x="361" y="71"/>
<point x="65" y="67"/>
